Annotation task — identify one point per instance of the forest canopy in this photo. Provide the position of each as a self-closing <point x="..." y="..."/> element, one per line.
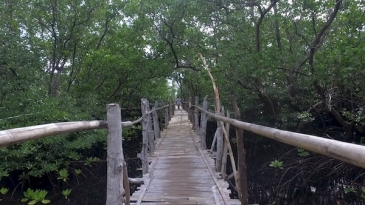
<point x="294" y="65"/>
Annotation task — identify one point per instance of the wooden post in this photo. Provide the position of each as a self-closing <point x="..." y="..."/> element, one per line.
<point x="188" y="105"/>
<point x="214" y="141"/>
<point x="173" y="107"/>
<point x="151" y="136"/>
<point x="191" y="113"/>
<point x="166" y="117"/>
<point x="115" y="158"/>
<point x="144" y="153"/>
<point x="126" y="185"/>
<point x="225" y="151"/>
<point x="170" y="111"/>
<point x="241" y="182"/>
<point x="151" y="133"/>
<point x="218" y="159"/>
<point x="188" y="110"/>
<point x="196" y="115"/>
<point x="156" y="126"/>
<point x="203" y="121"/>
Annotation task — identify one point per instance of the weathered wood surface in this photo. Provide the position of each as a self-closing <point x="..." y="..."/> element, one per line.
<point x="115" y="159"/>
<point x="143" y="155"/>
<point x="180" y="172"/>
<point x="204" y="120"/>
<point x="346" y="152"/>
<point x="156" y="126"/>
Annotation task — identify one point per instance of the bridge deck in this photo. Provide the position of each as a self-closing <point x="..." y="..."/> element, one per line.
<point x="181" y="173"/>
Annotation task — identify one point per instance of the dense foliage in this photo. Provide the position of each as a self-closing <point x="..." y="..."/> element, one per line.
<point x="64" y="61"/>
<point x="295" y="65"/>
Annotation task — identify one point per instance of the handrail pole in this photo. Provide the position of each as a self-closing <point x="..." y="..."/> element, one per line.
<point x="225" y="151"/>
<point x="346" y="152"/>
<point x="188" y="107"/>
<point x="220" y="144"/>
<point x="151" y="133"/>
<point x="214" y="141"/>
<point x="191" y="113"/>
<point x="203" y="121"/>
<point x="173" y="108"/>
<point x="166" y="117"/>
<point x="170" y="111"/>
<point x="196" y="116"/>
<point x="115" y="157"/>
<point x="156" y="126"/>
<point x="143" y="156"/>
<point x="241" y="186"/>
<point x="126" y="185"/>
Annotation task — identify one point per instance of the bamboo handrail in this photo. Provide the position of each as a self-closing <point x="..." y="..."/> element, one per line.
<point x="346" y="152"/>
<point x="131" y="123"/>
<point x="114" y="126"/>
<point x="18" y="135"/>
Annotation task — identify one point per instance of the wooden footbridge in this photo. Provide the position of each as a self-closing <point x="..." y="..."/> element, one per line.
<point x="176" y="167"/>
<point x="180" y="172"/>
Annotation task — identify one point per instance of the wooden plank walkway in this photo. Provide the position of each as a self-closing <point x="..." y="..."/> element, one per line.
<point x="181" y="173"/>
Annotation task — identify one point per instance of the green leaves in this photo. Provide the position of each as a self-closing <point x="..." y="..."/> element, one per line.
<point x="276" y="164"/>
<point x="35" y="196"/>
<point x="66" y="193"/>
<point x="302" y="153"/>
<point x="63" y="175"/>
<point x="4" y="191"/>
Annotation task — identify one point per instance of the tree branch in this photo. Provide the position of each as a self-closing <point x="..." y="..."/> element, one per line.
<point x="170" y="43"/>
<point x="318" y="37"/>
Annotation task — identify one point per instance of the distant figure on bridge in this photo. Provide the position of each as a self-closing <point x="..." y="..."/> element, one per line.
<point x="178" y="102"/>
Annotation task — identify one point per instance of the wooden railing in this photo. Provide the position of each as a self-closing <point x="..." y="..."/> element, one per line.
<point x="118" y="191"/>
<point x="346" y="152"/>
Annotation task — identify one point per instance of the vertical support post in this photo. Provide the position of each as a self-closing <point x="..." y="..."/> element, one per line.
<point x="156" y="126"/>
<point x="151" y="133"/>
<point x="225" y="151"/>
<point x="166" y="117"/>
<point x="144" y="157"/>
<point x="191" y="113"/>
<point x="170" y="111"/>
<point x="241" y="182"/>
<point x="115" y="157"/>
<point x="196" y="115"/>
<point x="218" y="159"/>
<point x="188" y="106"/>
<point x="214" y="140"/>
<point x="173" y="107"/>
<point x="203" y="121"/>
<point x="126" y="185"/>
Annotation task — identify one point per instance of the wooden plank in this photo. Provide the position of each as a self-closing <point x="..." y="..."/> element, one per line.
<point x="182" y="174"/>
<point x="198" y="188"/>
<point x="216" y="199"/>
<point x="213" y="176"/>
<point x="178" y="194"/>
<point x="146" y="186"/>
<point x="171" y="198"/>
<point x="171" y="182"/>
